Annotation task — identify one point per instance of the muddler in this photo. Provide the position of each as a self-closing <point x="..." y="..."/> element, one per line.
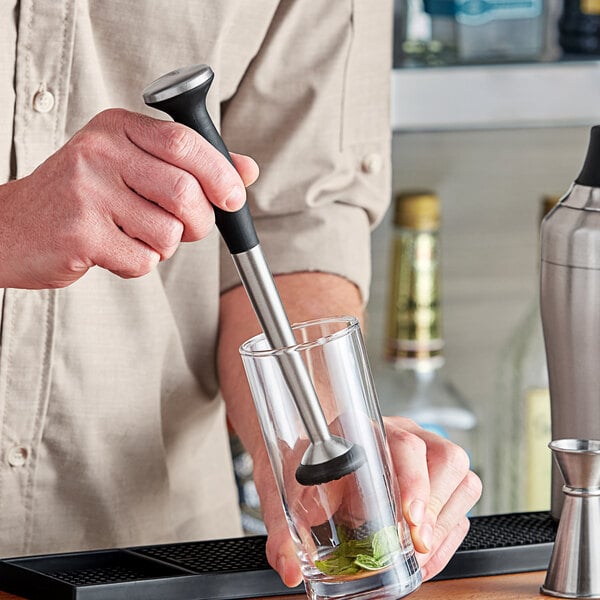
<point x="182" y="95"/>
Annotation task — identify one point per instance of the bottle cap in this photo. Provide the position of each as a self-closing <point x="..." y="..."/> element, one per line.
<point x="417" y="210"/>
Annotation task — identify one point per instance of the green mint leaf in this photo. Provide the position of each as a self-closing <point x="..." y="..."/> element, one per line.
<point x="356" y="547"/>
<point x="343" y="534"/>
<point x="370" y="554"/>
<point x="368" y="562"/>
<point x="385" y="542"/>
<point x="336" y="565"/>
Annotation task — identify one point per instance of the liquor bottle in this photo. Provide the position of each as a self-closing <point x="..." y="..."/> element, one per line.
<point x="424" y="33"/>
<point x="523" y="459"/>
<point x="413" y="382"/>
<point x="579" y="27"/>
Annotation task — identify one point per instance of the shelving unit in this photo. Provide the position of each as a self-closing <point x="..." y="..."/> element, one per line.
<point x="552" y="94"/>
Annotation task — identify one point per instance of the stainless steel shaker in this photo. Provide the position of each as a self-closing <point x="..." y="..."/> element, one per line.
<point x="570" y="308"/>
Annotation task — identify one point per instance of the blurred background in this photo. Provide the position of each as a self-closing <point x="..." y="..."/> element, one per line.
<point x="492" y="105"/>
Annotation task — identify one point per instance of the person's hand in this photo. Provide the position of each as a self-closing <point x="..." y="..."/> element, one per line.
<point x="280" y="550"/>
<point x="437" y="490"/>
<point x="429" y="468"/>
<point x="122" y="194"/>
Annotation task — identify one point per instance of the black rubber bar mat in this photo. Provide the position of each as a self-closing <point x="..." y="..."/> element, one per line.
<point x="238" y="568"/>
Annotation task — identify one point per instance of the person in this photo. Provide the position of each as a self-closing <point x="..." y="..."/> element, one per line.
<point x="122" y="312"/>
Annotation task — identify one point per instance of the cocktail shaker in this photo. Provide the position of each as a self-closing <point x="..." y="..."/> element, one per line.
<point x="570" y="308"/>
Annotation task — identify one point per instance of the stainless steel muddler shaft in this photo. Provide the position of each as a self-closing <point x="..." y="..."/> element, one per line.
<point x="182" y="95"/>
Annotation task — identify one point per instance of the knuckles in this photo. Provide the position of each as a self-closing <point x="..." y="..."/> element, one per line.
<point x="172" y="232"/>
<point x="406" y="441"/>
<point x="113" y="119"/>
<point x="179" y="142"/>
<point x="454" y="457"/>
<point x="99" y="138"/>
<point x="184" y="195"/>
<point x="185" y="189"/>
<point x="87" y="150"/>
<point x="188" y="203"/>
<point x="198" y="227"/>
<point x="140" y="265"/>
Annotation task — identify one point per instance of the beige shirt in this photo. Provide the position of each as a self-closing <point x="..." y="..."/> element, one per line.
<point x="112" y="432"/>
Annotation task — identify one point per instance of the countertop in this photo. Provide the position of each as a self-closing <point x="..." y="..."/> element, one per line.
<point x="521" y="586"/>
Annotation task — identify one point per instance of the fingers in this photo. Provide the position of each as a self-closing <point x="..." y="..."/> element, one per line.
<point x="448" y="465"/>
<point x="180" y="146"/>
<point x="175" y="190"/>
<point x="451" y="525"/>
<point x="281" y="551"/>
<point x="454" y="491"/>
<point x="125" y="256"/>
<point x="246" y="167"/>
<point x="148" y="223"/>
<point x="461" y="501"/>
<point x="432" y="471"/>
<point x="176" y="168"/>
<point x="409" y="455"/>
<point x="432" y="564"/>
<point x="281" y="554"/>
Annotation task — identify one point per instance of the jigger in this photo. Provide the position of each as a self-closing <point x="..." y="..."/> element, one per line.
<point x="574" y="570"/>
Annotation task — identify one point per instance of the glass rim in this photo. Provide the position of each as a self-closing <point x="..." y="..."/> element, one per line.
<point x="351" y="323"/>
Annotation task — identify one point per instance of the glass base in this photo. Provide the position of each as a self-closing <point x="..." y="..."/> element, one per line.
<point x="388" y="584"/>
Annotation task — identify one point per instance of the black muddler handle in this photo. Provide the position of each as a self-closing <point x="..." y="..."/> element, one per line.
<point x="183" y="98"/>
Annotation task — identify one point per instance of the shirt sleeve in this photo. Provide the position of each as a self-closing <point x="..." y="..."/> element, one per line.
<point x="313" y="111"/>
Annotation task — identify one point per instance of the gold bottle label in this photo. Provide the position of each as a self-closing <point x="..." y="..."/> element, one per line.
<point x="414" y="323"/>
<point x="538" y="434"/>
<point x="590" y="7"/>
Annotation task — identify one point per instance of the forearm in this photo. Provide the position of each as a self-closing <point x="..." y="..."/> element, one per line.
<point x="305" y="296"/>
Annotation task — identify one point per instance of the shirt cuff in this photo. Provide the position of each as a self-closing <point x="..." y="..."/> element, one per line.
<point x="330" y="239"/>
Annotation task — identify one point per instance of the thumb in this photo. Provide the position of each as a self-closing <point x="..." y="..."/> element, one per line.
<point x="281" y="550"/>
<point x="246" y="167"/>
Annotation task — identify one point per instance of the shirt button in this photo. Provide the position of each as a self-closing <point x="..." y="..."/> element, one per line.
<point x="17" y="456"/>
<point x="43" y="101"/>
<point x="371" y="163"/>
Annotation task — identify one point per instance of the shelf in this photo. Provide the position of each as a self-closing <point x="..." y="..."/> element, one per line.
<point x="496" y="96"/>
